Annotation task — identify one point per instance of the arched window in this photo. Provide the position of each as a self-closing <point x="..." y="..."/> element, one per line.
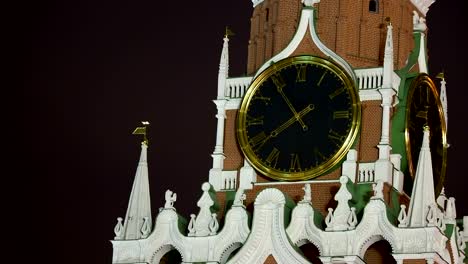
<point x="373" y="6"/>
<point x="267" y="14"/>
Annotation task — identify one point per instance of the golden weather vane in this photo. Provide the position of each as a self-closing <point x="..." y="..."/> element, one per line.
<point x="142" y="131"/>
<point x="441" y="75"/>
<point x="228" y="32"/>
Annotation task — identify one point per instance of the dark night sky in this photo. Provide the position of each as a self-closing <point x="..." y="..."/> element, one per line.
<point x="94" y="69"/>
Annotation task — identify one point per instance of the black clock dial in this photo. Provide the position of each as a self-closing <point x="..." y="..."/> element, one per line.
<point x="425" y="109"/>
<point x="298" y="118"/>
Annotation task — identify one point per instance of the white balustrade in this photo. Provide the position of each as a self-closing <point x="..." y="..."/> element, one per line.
<point x="366" y="172"/>
<point x="236" y="87"/>
<point x="371" y="78"/>
<point x="229" y="180"/>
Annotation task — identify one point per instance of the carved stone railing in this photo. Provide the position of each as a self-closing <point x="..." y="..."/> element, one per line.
<point x="228" y="180"/>
<point x="371" y="78"/>
<point x="236" y="87"/>
<point x="366" y="172"/>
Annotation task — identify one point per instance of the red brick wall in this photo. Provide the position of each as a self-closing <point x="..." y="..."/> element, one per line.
<point x="270" y="260"/>
<point x="370" y="131"/>
<point x="345" y="26"/>
<point x="233" y="160"/>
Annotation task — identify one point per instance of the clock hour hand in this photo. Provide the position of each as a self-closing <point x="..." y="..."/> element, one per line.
<point x="296" y="115"/>
<point x="291" y="121"/>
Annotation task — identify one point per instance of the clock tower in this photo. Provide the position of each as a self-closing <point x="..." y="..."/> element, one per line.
<point x="332" y="150"/>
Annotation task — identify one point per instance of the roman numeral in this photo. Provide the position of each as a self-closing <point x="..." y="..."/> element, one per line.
<point x="341" y="114"/>
<point x="301" y="73"/>
<point x="251" y="121"/>
<point x="278" y="81"/>
<point x="422" y="114"/>
<point x="264" y="99"/>
<point x="321" y="78"/>
<point x="337" y="92"/>
<point x="336" y="138"/>
<point x="272" y="158"/>
<point x="295" y="165"/>
<point x="257" y="141"/>
<point x="317" y="155"/>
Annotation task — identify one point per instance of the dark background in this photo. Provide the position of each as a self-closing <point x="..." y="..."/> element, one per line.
<point x="94" y="69"/>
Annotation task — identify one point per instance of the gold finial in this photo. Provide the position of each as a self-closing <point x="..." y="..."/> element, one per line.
<point x="142" y="131"/>
<point x="228" y="32"/>
<point x="441" y="75"/>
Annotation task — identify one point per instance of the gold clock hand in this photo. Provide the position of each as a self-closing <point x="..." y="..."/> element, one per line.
<point x="291" y="121"/>
<point x="262" y="140"/>
<point x="296" y="115"/>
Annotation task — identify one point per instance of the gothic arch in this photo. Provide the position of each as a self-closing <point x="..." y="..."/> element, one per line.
<point x="160" y="252"/>
<point x="310" y="250"/>
<point x="302" y="242"/>
<point x="228" y="251"/>
<point x="370" y="241"/>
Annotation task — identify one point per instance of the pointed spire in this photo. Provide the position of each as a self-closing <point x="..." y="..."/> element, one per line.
<point x="224" y="65"/>
<point x="388" y="58"/>
<point x="422" y="197"/>
<point x="139" y="205"/>
<point x="443" y="97"/>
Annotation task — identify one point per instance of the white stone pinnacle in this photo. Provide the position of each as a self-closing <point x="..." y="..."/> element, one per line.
<point x="139" y="205"/>
<point x="422" y="196"/>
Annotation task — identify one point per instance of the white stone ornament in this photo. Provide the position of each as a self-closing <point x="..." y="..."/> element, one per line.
<point x="239" y="198"/>
<point x="145" y="228"/>
<point x="329" y="220"/>
<point x="307" y="193"/>
<point x="214" y="225"/>
<point x="118" y="229"/>
<point x="310" y="3"/>
<point x="402" y="216"/>
<point x="460" y="242"/>
<point x="203" y="220"/>
<point x="432" y="215"/>
<point x="352" y="219"/>
<point x="442" y="199"/>
<point x="339" y="221"/>
<point x="450" y="211"/>
<point x="191" y="225"/>
<point x="419" y="23"/>
<point x="170" y="199"/>
<point x="378" y="190"/>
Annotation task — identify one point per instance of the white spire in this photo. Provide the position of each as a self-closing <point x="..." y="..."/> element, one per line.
<point x="388" y="59"/>
<point x="443" y="100"/>
<point x="223" y="67"/>
<point x="422" y="197"/>
<point x="139" y="205"/>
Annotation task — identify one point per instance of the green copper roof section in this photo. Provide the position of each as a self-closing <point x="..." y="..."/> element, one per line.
<point x="399" y="117"/>
<point x="449" y="230"/>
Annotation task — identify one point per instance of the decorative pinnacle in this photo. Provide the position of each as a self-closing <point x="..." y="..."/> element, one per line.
<point x="142" y="131"/>
<point x="441" y="75"/>
<point x="228" y="32"/>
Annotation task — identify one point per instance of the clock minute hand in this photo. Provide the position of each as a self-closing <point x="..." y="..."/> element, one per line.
<point x="296" y="115"/>
<point x="291" y="121"/>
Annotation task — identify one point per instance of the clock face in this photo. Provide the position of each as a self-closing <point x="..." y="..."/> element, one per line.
<point x="298" y="118"/>
<point x="425" y="109"/>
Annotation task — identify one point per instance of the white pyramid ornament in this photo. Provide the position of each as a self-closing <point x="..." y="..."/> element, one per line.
<point x="339" y="221"/>
<point x="204" y="217"/>
<point x="422" y="196"/>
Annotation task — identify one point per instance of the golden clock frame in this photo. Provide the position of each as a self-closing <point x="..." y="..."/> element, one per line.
<point x="336" y="158"/>
<point x="424" y="78"/>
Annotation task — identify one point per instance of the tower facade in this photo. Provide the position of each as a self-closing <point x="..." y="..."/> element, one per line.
<point x="331" y="150"/>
